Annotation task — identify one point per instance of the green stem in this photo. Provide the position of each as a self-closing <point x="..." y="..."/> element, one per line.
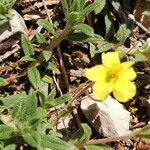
<point x="59" y="37"/>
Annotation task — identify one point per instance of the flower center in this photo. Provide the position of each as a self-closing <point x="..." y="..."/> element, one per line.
<point x="113" y="73"/>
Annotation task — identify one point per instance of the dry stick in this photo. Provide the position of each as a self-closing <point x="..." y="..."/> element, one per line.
<point x="109" y="139"/>
<point x="63" y="68"/>
<point x="48" y="15"/>
<point x="88" y="84"/>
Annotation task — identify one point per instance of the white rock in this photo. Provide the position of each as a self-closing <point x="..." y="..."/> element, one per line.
<point x="15" y="24"/>
<point x="109" y="118"/>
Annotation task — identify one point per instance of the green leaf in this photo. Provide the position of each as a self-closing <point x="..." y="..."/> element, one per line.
<point x="47" y="54"/>
<point x="28" y="58"/>
<point x="82" y="4"/>
<point x="51" y="66"/>
<point x="3" y="82"/>
<point x="59" y="100"/>
<point x="10" y="147"/>
<point x="2" y="9"/>
<point x="73" y="18"/>
<point x="140" y="57"/>
<point x="32" y="137"/>
<point x="9" y="3"/>
<point x="40" y="38"/>
<point x="27" y="46"/>
<point x="75" y="6"/>
<point x="98" y="147"/>
<point x="54" y="143"/>
<point x="82" y="135"/>
<point x="5" y="132"/>
<point x="51" y="95"/>
<point x="145" y="49"/>
<point x="78" y="37"/>
<point x="30" y="105"/>
<point x="26" y="108"/>
<point x="144" y="132"/>
<point x="65" y="7"/>
<point x="3" y="19"/>
<point x="146" y="13"/>
<point x="103" y="46"/>
<point x="109" y="26"/>
<point x="85" y="29"/>
<point x="88" y="9"/>
<point x="47" y="79"/>
<point x="116" y="4"/>
<point x="123" y="32"/>
<point x="34" y="77"/>
<point x="101" y="5"/>
<point x="9" y="101"/>
<point x="46" y="25"/>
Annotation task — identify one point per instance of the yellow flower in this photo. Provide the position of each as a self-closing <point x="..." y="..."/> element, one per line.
<point x="112" y="76"/>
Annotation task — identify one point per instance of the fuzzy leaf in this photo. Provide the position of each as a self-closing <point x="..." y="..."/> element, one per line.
<point x="98" y="147"/>
<point x="109" y="26"/>
<point x="28" y="58"/>
<point x="65" y="7"/>
<point x="101" y="5"/>
<point x="40" y="38"/>
<point x="5" y="132"/>
<point x="34" y="77"/>
<point x="103" y="46"/>
<point x="47" y="54"/>
<point x="123" y="33"/>
<point x="79" y="37"/>
<point x="27" y="46"/>
<point x="89" y="9"/>
<point x="73" y="18"/>
<point x="85" y="29"/>
<point x="10" y="147"/>
<point x="47" y="79"/>
<point x="75" y="6"/>
<point x="54" y="143"/>
<point x="144" y="132"/>
<point x="46" y="25"/>
<point x="26" y="108"/>
<point x="82" y="135"/>
<point x="33" y="138"/>
<point x="59" y="100"/>
<point x="3" y="82"/>
<point x="9" y="101"/>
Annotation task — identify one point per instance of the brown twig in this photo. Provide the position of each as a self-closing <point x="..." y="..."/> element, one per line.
<point x="63" y="68"/>
<point x="109" y="139"/>
<point x="48" y="15"/>
<point x="87" y="85"/>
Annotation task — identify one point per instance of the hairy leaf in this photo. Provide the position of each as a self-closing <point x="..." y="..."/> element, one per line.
<point x="54" y="143"/>
<point x="27" y="46"/>
<point x="5" y="132"/>
<point x="101" y="5"/>
<point x="82" y="135"/>
<point x="34" y="77"/>
<point x="98" y="147"/>
<point x="46" y="25"/>
<point x="85" y="29"/>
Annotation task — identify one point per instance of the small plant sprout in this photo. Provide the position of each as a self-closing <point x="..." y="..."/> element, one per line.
<point x="113" y="76"/>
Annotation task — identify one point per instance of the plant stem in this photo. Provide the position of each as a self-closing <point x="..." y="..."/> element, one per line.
<point x="59" y="37"/>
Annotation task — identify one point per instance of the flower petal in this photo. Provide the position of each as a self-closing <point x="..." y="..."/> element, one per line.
<point x="124" y="91"/>
<point x="127" y="64"/>
<point x="101" y="90"/>
<point x="96" y="73"/>
<point x="128" y="74"/>
<point x="110" y="59"/>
